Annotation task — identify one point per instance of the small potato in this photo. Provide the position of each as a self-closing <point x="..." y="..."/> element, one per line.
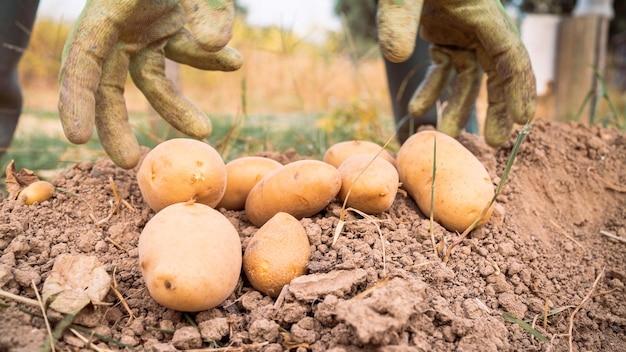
<point x="463" y="187"/>
<point x="301" y="188"/>
<point x="376" y="187"/>
<point x="181" y="169"/>
<point x="190" y="257"/>
<point x="277" y="253"/>
<point x="339" y="152"/>
<point x="36" y="192"/>
<point x="242" y="174"/>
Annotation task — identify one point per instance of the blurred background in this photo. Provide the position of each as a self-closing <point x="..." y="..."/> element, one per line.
<point x="313" y="75"/>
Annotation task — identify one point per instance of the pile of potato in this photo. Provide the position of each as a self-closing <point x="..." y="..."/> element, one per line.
<point x="191" y="255"/>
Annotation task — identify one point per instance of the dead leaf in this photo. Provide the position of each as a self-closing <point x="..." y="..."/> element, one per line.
<point x="74" y="282"/>
<point x="15" y="181"/>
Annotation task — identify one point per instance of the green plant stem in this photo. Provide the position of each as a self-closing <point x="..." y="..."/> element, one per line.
<point x="513" y="319"/>
<point x="61" y="326"/>
<point x="607" y="96"/>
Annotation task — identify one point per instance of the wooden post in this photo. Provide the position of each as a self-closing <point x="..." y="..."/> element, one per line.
<point x="581" y="50"/>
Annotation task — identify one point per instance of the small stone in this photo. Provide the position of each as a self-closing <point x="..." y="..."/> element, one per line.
<point x="187" y="337"/>
<point x="214" y="329"/>
<point x="26" y="277"/>
<point x="486" y="270"/>
<point x="163" y="347"/>
<point x="512" y="304"/>
<point x="263" y="330"/>
<point x="129" y="340"/>
<point x="515" y="268"/>
<point x="311" y="287"/>
<point x="506" y="249"/>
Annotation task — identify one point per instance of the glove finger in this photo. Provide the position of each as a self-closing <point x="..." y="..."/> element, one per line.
<point x="433" y="84"/>
<point x="521" y="93"/>
<point x="147" y="69"/>
<point x="464" y="92"/>
<point x="506" y="54"/>
<point x="86" y="48"/>
<point x="498" y="124"/>
<point x="210" y="22"/>
<point x="184" y="49"/>
<point x="114" y="131"/>
<point x="397" y="23"/>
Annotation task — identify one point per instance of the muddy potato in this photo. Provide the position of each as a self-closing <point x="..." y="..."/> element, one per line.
<point x="463" y="187"/>
<point x="242" y="174"/>
<point x="277" y="253"/>
<point x="190" y="257"/>
<point x="339" y="152"/>
<point x="181" y="169"/>
<point x="375" y="188"/>
<point x="301" y="188"/>
<point x="36" y="192"/>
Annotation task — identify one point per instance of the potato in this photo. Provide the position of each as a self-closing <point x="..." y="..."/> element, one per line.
<point x="181" y="169"/>
<point x="339" y="152"/>
<point x="376" y="187"/>
<point x="242" y="174"/>
<point x="277" y="253"/>
<point x="36" y="192"/>
<point x="301" y="188"/>
<point x="463" y="187"/>
<point x="190" y="257"/>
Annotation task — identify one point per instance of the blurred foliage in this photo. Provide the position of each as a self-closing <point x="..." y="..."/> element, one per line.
<point x="618" y="24"/>
<point x="359" y="21"/>
<point x="42" y="60"/>
<point x="358" y="120"/>
<point x="559" y="7"/>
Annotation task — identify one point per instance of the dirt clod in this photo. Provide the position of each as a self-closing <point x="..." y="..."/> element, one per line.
<point x="541" y="252"/>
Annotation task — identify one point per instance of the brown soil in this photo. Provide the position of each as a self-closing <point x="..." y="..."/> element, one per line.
<point x="542" y="250"/>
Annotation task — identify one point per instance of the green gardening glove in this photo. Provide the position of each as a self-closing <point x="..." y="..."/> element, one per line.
<point x="469" y="36"/>
<point x="111" y="39"/>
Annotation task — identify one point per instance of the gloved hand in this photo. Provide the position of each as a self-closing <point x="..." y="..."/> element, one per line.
<point x="464" y="34"/>
<point x="112" y="38"/>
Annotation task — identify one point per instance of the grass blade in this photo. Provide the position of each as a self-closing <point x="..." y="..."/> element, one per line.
<point x="524" y="325"/>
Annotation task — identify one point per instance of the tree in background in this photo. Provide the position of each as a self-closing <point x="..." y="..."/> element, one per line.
<point x="559" y="7"/>
<point x="618" y="24"/>
<point x="359" y="20"/>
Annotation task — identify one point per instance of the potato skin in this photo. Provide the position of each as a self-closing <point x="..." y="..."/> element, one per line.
<point x="376" y="187"/>
<point x="463" y="187"/>
<point x="181" y="169"/>
<point x="339" y="152"/>
<point x="301" y="188"/>
<point x="190" y="257"/>
<point x="36" y="192"/>
<point x="277" y="253"/>
<point x="242" y="174"/>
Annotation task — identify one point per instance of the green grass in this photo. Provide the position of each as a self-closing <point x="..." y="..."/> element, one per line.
<point x="40" y="150"/>
<point x="612" y="113"/>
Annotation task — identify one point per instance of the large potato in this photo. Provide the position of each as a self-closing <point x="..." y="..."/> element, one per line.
<point x="339" y="152"/>
<point x="277" y="253"/>
<point x="463" y="187"/>
<point x="190" y="257"/>
<point x="301" y="188"/>
<point x="375" y="188"/>
<point x="181" y="169"/>
<point x="242" y="174"/>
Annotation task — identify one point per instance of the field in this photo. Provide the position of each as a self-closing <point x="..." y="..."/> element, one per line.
<point x="546" y="273"/>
